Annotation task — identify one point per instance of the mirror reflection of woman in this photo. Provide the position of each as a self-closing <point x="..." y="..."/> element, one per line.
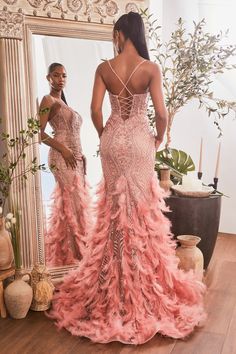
<point x="130" y="288"/>
<point x="68" y="224"/>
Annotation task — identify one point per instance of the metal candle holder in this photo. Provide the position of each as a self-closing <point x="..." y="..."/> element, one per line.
<point x="215" y="181"/>
<point x="199" y="175"/>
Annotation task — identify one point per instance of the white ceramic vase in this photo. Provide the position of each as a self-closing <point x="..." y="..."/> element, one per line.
<point x="18" y="297"/>
<point x="6" y="250"/>
<point x="190" y="255"/>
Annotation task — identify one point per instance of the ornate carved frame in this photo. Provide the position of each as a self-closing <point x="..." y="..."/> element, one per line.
<point x="88" y="19"/>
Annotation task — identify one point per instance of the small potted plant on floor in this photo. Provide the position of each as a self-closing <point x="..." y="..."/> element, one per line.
<point x="15" y="167"/>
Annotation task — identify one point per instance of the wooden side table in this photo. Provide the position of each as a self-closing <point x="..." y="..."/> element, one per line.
<point x="4" y="274"/>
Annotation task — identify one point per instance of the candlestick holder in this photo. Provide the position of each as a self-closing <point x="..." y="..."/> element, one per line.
<point x="199" y="175"/>
<point x="215" y="183"/>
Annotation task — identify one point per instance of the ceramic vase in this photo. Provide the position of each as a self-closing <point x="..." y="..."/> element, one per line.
<point x="190" y="255"/>
<point x="165" y="181"/>
<point x="18" y="297"/>
<point x="42" y="288"/>
<point x="6" y="250"/>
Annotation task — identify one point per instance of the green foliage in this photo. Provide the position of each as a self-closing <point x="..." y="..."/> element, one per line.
<point x="189" y="63"/>
<point x="16" y="156"/>
<point x="178" y="161"/>
<point x="44" y="111"/>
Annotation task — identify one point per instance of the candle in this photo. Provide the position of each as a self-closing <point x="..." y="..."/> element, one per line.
<point x="218" y="161"/>
<point x="200" y="158"/>
<point x="191" y="183"/>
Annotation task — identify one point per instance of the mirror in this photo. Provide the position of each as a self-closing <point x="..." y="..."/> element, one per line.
<point x="80" y="57"/>
<point x="85" y="25"/>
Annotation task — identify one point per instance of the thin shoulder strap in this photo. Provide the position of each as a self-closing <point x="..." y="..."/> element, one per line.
<point x="119" y="79"/>
<point x="135" y="69"/>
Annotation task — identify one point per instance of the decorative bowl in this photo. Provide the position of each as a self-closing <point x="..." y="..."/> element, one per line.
<point x="182" y="191"/>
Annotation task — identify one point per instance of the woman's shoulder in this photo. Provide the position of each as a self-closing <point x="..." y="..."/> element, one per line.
<point x="152" y="69"/>
<point x="47" y="100"/>
<point x="103" y="65"/>
<point x="49" y="106"/>
<point x="50" y="102"/>
<point x="152" y="65"/>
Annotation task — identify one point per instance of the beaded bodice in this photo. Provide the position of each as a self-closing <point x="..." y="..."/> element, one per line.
<point x="127" y="140"/>
<point x="66" y="124"/>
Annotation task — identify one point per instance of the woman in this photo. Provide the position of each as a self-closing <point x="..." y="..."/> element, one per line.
<point x="130" y="287"/>
<point x="69" y="220"/>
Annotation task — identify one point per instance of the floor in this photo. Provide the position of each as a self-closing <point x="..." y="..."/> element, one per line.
<point x="37" y="335"/>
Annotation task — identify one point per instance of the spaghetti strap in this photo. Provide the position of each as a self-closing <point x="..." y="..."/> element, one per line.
<point x="132" y="73"/>
<point x="115" y="73"/>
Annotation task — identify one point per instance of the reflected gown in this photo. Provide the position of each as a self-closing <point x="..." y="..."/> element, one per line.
<point x="69" y="222"/>
<point x="129" y="287"/>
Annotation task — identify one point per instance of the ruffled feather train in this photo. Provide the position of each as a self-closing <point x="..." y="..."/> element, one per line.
<point x="69" y="224"/>
<point x="128" y="286"/>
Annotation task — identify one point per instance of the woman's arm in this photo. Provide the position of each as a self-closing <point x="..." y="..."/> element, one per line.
<point x="99" y="90"/>
<point x="161" y="115"/>
<point x="44" y="113"/>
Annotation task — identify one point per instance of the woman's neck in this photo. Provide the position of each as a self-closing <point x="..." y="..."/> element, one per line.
<point x="129" y="48"/>
<point x="55" y="94"/>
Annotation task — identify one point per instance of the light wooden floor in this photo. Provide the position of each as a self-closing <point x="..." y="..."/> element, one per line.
<point x="37" y="335"/>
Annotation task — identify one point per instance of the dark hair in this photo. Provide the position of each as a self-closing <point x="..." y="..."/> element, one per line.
<point x="132" y="26"/>
<point x="51" y="68"/>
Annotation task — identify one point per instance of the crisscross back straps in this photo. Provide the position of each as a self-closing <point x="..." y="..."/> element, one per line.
<point x="126" y="83"/>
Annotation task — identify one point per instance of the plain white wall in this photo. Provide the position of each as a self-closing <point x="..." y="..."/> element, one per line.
<point x="190" y="124"/>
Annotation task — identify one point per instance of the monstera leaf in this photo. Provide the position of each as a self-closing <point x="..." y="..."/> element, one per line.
<point x="178" y="161"/>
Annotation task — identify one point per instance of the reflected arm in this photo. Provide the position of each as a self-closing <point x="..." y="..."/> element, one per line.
<point x="44" y="112"/>
<point x="99" y="90"/>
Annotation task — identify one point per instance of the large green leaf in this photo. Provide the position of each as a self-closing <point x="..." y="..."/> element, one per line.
<point x="179" y="162"/>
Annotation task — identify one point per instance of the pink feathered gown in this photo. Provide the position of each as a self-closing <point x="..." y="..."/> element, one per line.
<point x="129" y="287"/>
<point x="69" y="222"/>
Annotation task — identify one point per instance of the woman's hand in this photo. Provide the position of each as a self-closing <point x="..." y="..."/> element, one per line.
<point x="69" y="157"/>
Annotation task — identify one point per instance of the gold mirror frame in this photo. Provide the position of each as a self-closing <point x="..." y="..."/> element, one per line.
<point x="17" y="86"/>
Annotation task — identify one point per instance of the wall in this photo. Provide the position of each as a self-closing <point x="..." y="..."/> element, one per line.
<point x="190" y="124"/>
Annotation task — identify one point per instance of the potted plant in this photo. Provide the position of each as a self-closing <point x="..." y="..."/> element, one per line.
<point x="189" y="62"/>
<point x="15" y="166"/>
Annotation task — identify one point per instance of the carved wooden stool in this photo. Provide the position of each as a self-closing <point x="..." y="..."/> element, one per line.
<point x="4" y="274"/>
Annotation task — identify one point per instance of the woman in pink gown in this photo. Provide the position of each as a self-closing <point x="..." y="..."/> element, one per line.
<point x="129" y="286"/>
<point x="67" y="229"/>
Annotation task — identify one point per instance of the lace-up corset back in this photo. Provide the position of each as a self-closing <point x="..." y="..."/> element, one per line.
<point x="124" y="104"/>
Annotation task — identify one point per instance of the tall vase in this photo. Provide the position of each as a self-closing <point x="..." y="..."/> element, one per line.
<point x="18" y="297"/>
<point x="165" y="181"/>
<point x="6" y="250"/>
<point x="190" y="255"/>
